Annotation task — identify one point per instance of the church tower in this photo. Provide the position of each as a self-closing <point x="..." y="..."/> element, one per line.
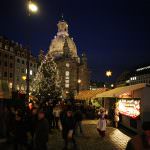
<point x="70" y="68"/>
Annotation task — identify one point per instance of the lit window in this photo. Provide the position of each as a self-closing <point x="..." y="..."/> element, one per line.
<point x="67" y="73"/>
<point x="67" y="65"/>
<point x="67" y="85"/>
<point x="66" y="81"/>
<point x="67" y="78"/>
<point x="6" y="47"/>
<point x="17" y="87"/>
<point x="10" y="85"/>
<point x="31" y="72"/>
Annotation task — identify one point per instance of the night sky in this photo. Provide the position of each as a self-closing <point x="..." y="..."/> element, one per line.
<point x="115" y="34"/>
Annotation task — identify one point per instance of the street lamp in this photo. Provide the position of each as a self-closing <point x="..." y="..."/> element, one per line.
<point x="108" y="73"/>
<point x="79" y="81"/>
<point x="78" y="85"/>
<point x="31" y="8"/>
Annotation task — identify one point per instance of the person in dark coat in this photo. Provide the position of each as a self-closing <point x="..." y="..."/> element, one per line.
<point x="33" y="121"/>
<point x="68" y="127"/>
<point x="20" y="133"/>
<point x="141" y="142"/>
<point x="41" y="132"/>
<point x="78" y="119"/>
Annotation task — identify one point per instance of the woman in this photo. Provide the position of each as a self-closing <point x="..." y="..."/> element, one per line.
<point x="102" y="121"/>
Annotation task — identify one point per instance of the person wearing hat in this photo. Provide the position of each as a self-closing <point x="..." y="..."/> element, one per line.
<point x="41" y="132"/>
<point x="141" y="142"/>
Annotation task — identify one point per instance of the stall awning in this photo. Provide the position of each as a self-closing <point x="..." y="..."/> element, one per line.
<point x="89" y="94"/>
<point x="121" y="90"/>
<point x="4" y="90"/>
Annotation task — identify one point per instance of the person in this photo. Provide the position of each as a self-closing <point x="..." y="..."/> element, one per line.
<point x="102" y="121"/>
<point x="78" y="119"/>
<point x="141" y="141"/>
<point x="116" y="117"/>
<point x="33" y="120"/>
<point x="56" y="113"/>
<point x="68" y="127"/>
<point x="41" y="132"/>
<point x="20" y="132"/>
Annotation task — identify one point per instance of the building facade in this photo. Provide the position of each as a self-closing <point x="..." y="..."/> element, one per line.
<point x="141" y="75"/>
<point x="135" y="76"/>
<point x="13" y="64"/>
<point x="73" y="70"/>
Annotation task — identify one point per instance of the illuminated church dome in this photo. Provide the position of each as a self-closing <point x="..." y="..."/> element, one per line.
<point x="57" y="45"/>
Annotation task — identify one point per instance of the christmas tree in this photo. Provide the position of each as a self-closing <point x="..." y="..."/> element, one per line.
<point x="46" y="84"/>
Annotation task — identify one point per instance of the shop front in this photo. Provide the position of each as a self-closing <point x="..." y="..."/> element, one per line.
<point x="129" y="109"/>
<point x="132" y="102"/>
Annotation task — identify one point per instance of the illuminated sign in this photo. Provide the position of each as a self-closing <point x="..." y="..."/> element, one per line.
<point x="129" y="107"/>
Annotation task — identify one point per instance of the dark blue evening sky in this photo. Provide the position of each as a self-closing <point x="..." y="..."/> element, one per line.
<point x="115" y="34"/>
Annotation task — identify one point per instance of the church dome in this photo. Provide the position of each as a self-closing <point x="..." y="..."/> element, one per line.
<point x="57" y="45"/>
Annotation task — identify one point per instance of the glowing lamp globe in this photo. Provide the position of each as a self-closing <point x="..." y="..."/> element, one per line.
<point x="32" y="7"/>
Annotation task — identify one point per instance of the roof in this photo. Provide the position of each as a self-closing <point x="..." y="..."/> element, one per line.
<point x="121" y="90"/>
<point x="89" y="94"/>
<point x="4" y="90"/>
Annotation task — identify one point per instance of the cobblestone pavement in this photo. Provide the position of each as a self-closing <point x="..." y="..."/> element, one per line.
<point x="90" y="140"/>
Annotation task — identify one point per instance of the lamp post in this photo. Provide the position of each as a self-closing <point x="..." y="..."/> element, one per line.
<point x="31" y="8"/>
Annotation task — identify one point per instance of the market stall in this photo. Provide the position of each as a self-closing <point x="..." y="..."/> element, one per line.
<point x="133" y="103"/>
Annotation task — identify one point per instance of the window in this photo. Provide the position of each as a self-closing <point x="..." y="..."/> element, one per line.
<point x="6" y="55"/>
<point x="5" y="64"/>
<point x="22" y="61"/>
<point x="67" y="85"/>
<point x="11" y="49"/>
<point x="0" y="44"/>
<point x="6" y="47"/>
<point x="30" y="64"/>
<point x="67" y="78"/>
<point x="67" y="73"/>
<point x="67" y="65"/>
<point x="66" y="81"/>
<point x="18" y="60"/>
<point x="17" y="78"/>
<point x="10" y="75"/>
<point x="22" y="70"/>
<point x="11" y="65"/>
<point x="5" y="74"/>
<point x="17" y="87"/>
<point x="31" y="72"/>
<point x="11" y="57"/>
<point x="10" y="85"/>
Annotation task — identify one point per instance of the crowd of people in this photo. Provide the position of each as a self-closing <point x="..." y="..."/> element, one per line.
<point x="28" y="128"/>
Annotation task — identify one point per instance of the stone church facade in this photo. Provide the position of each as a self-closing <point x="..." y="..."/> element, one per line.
<point x="73" y="70"/>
